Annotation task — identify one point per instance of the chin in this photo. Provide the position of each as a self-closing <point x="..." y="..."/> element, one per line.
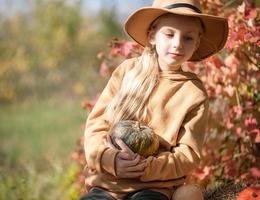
<point x="174" y="63"/>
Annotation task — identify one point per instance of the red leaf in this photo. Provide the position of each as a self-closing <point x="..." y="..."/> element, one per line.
<point x="216" y="61"/>
<point x="255" y="172"/>
<point x="89" y="104"/>
<point x="250" y="123"/>
<point x="238" y="110"/>
<point x="229" y="124"/>
<point x="250" y="13"/>
<point x="241" y="33"/>
<point x="123" y="48"/>
<point x="105" y="70"/>
<point x="238" y="131"/>
<point x="229" y="90"/>
<point x="115" y="52"/>
<point x="232" y="61"/>
<point x="218" y="89"/>
<point x="226" y="157"/>
<point x="126" y="49"/>
<point x="191" y="66"/>
<point x="231" y="42"/>
<point x="230" y="168"/>
<point x="202" y="173"/>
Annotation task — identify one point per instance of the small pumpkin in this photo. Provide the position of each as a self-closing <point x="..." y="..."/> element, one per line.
<point x="249" y="193"/>
<point x="138" y="137"/>
<point x="187" y="192"/>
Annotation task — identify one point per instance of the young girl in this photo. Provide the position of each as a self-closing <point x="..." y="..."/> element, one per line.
<point x="153" y="89"/>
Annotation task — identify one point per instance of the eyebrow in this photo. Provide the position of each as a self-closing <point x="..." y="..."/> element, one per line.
<point x="171" y="29"/>
<point x="191" y="32"/>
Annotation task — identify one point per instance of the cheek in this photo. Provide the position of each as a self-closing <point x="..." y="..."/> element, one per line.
<point x="161" y="46"/>
<point x="194" y="43"/>
<point x="161" y="50"/>
<point x="191" y="47"/>
<point x="191" y="43"/>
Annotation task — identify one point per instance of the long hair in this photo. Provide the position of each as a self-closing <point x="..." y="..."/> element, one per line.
<point x="137" y="86"/>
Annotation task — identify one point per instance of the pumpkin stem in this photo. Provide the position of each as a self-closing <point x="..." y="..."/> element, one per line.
<point x="137" y="125"/>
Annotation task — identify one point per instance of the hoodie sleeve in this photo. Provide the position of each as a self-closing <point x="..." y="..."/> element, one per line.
<point x="185" y="157"/>
<point x="98" y="156"/>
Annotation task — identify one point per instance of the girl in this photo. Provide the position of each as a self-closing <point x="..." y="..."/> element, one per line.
<point x="154" y="90"/>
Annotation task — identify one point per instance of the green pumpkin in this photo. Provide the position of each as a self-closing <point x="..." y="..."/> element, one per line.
<point x="138" y="137"/>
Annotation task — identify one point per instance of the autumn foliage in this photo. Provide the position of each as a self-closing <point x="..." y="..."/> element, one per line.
<point x="232" y="147"/>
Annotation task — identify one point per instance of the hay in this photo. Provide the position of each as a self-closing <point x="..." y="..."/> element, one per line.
<point x="224" y="192"/>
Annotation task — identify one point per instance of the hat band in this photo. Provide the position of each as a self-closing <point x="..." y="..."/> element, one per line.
<point x="177" y="5"/>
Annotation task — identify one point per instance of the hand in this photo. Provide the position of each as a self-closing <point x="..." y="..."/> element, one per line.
<point x="128" y="164"/>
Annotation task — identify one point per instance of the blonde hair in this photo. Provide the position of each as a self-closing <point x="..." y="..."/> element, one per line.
<point x="137" y="86"/>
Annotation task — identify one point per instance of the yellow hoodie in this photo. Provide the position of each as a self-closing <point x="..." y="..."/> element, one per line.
<point x="177" y="112"/>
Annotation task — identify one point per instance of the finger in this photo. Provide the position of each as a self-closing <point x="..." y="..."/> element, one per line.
<point x="142" y="160"/>
<point x="109" y="142"/>
<point x="124" y="147"/>
<point x="105" y="141"/>
<point x="130" y="163"/>
<point x="137" y="168"/>
<point x="125" y="156"/>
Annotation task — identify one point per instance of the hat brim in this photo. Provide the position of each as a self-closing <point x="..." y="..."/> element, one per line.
<point x="212" y="40"/>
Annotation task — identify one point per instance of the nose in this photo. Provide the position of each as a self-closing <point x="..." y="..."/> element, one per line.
<point x="177" y="42"/>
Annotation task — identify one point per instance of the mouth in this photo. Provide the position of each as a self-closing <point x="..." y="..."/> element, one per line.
<point x="175" y="54"/>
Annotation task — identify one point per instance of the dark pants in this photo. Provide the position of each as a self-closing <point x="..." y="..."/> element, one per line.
<point x="99" y="194"/>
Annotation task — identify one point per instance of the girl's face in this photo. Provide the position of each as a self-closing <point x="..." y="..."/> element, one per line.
<point x="175" y="39"/>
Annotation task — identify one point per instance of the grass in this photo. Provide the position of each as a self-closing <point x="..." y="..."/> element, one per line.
<point x="36" y="141"/>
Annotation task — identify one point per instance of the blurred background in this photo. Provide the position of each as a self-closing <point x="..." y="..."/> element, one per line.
<point x="52" y="55"/>
<point x="48" y="66"/>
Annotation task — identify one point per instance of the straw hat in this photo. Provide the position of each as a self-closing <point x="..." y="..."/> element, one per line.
<point x="212" y="40"/>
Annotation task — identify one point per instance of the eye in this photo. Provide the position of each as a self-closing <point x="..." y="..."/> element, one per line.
<point x="188" y="38"/>
<point x="169" y="34"/>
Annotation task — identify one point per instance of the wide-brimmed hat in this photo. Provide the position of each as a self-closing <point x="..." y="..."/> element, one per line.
<point x="214" y="36"/>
